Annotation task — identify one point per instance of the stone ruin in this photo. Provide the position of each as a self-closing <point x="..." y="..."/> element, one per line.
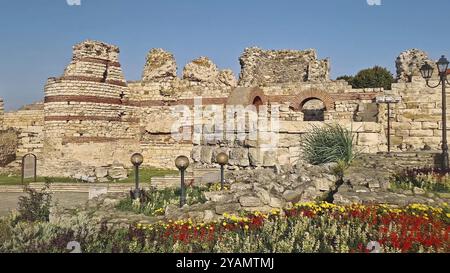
<point x="262" y="67"/>
<point x="92" y="119"/>
<point x="409" y="62"/>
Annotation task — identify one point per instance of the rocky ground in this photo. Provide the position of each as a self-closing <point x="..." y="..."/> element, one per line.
<point x="266" y="189"/>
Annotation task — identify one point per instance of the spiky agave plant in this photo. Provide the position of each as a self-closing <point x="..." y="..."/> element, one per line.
<point x="331" y="143"/>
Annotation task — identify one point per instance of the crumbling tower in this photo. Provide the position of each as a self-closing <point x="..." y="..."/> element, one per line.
<point x="87" y="109"/>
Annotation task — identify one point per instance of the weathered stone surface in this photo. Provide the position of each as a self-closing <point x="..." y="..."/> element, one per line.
<point x="231" y="207"/>
<point x="276" y="202"/>
<point x="323" y="184"/>
<point x="239" y="156"/>
<point x="319" y="70"/>
<point x="118" y="173"/>
<point x="227" y="77"/>
<point x="259" y="67"/>
<point x="8" y="146"/>
<point x="172" y="212"/>
<point x="262" y="194"/>
<point x="101" y="172"/>
<point x="206" y="154"/>
<point x="291" y="196"/>
<point x="408" y="64"/>
<point x="255" y="156"/>
<point x="201" y="69"/>
<point x="269" y="158"/>
<point x="250" y="201"/>
<point x="241" y="186"/>
<point x="218" y="197"/>
<point x="159" y="64"/>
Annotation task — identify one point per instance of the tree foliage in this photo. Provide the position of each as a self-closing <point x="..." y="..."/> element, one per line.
<point x="374" y="77"/>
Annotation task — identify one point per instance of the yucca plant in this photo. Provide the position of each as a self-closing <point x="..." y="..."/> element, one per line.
<point x="331" y="143"/>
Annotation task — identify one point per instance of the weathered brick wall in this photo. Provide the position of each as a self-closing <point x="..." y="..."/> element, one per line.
<point x="88" y="115"/>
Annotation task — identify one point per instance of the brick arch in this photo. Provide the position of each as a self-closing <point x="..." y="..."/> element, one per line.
<point x="256" y="92"/>
<point x="298" y="101"/>
<point x="246" y="96"/>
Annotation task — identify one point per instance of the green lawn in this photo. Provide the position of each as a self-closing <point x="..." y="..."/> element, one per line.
<point x="145" y="175"/>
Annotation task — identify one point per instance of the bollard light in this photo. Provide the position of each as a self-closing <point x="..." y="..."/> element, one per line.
<point x="222" y="159"/>
<point x="137" y="160"/>
<point x="182" y="163"/>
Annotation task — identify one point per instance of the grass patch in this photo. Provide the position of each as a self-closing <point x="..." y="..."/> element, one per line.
<point x="145" y="175"/>
<point x="17" y="180"/>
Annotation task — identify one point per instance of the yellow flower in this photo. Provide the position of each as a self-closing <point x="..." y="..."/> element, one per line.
<point x="448" y="215"/>
<point x="246" y="227"/>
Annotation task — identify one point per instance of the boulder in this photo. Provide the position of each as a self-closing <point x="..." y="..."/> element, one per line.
<point x="229" y="208"/>
<point x="101" y="172"/>
<point x="118" y="172"/>
<point x="240" y="186"/>
<point x="292" y="196"/>
<point x="250" y="201"/>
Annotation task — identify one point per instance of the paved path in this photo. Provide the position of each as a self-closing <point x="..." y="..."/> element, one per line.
<point x="8" y="201"/>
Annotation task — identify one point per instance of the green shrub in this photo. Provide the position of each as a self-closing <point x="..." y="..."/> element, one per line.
<point x="35" y="206"/>
<point x="331" y="143"/>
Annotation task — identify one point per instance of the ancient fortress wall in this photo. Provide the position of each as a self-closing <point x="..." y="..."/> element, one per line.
<point x="94" y="119"/>
<point x="88" y="118"/>
<point x="27" y="124"/>
<point x="271" y="76"/>
<point x="417" y="118"/>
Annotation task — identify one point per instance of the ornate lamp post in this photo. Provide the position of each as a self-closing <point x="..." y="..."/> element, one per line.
<point x="137" y="160"/>
<point x="182" y="162"/>
<point x="222" y="159"/>
<point x="388" y="100"/>
<point x="427" y="71"/>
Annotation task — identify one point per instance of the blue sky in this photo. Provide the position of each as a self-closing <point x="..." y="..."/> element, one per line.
<point x="37" y="36"/>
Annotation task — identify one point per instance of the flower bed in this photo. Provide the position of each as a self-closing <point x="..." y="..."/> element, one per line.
<point x="307" y="227"/>
<point x="429" y="179"/>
